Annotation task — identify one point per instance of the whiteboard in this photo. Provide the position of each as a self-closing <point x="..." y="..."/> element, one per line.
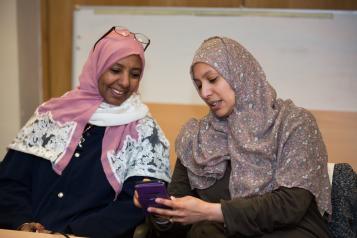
<point x="309" y="56"/>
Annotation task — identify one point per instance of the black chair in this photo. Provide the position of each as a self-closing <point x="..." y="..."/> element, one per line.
<point x="344" y="202"/>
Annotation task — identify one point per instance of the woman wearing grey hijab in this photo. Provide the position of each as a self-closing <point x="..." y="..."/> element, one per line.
<point x="255" y="166"/>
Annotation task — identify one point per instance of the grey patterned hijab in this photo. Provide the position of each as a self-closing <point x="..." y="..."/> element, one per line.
<point x="269" y="142"/>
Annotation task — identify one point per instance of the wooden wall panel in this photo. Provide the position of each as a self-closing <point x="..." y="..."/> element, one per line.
<point x="57" y="49"/>
<point x="338" y="129"/>
<point x="303" y="4"/>
<point x="172" y="117"/>
<point x="163" y="3"/>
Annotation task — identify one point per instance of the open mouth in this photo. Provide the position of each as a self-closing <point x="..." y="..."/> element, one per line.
<point x="214" y="105"/>
<point x="117" y="93"/>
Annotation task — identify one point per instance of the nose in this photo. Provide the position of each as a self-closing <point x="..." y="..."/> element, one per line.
<point x="205" y="90"/>
<point x="124" y="80"/>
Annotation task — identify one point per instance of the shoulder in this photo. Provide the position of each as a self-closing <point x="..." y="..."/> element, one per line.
<point x="148" y="128"/>
<point x="297" y="123"/>
<point x="292" y="115"/>
<point x="188" y="130"/>
<point x="148" y="122"/>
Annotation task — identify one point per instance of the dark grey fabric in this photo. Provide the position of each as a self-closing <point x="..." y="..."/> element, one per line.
<point x="344" y="202"/>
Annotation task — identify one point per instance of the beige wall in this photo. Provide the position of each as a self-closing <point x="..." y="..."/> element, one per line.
<point x="29" y="45"/>
<point x="9" y="74"/>
<point x="19" y="65"/>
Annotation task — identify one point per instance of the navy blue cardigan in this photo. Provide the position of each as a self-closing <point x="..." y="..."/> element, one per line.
<point x="80" y="201"/>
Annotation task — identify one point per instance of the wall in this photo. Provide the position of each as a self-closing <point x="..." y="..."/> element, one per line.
<point x="29" y="48"/>
<point x="9" y="60"/>
<point x="306" y="50"/>
<point x="19" y="66"/>
<point x="57" y="26"/>
<point x="308" y="56"/>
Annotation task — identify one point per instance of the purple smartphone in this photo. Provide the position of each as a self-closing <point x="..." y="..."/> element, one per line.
<point x="150" y="190"/>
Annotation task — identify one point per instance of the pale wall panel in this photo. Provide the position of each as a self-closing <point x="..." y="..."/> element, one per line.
<point x="308" y="56"/>
<point x="53" y="12"/>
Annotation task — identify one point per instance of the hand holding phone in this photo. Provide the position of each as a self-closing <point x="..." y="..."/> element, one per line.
<point x="149" y="191"/>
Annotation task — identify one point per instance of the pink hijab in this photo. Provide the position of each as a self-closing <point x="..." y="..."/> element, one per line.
<point x="269" y="142"/>
<point x="70" y="113"/>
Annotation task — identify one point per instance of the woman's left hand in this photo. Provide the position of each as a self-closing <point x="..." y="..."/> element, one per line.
<point x="188" y="210"/>
<point x="33" y="227"/>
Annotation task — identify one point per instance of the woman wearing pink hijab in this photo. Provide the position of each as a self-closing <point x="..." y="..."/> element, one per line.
<point x="254" y="166"/>
<point x="72" y="168"/>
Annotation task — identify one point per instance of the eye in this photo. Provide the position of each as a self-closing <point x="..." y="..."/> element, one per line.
<point x="135" y="74"/>
<point x="213" y="80"/>
<point x="198" y="84"/>
<point x="115" y="70"/>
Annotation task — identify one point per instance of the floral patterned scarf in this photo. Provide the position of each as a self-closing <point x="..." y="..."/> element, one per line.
<point x="268" y="141"/>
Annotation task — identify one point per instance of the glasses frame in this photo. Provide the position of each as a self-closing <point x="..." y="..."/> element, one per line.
<point x="137" y="36"/>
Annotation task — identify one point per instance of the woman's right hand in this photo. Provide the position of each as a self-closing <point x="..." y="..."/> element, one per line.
<point x="33" y="227"/>
<point x="136" y="195"/>
<point x="136" y="199"/>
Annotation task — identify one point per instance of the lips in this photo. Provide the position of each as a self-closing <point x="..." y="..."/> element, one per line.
<point x="215" y="105"/>
<point x="117" y="92"/>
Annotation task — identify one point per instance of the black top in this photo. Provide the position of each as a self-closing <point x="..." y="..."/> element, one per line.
<point x="285" y="212"/>
<point x="80" y="201"/>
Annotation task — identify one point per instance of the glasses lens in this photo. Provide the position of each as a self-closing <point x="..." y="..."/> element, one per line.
<point x="141" y="38"/>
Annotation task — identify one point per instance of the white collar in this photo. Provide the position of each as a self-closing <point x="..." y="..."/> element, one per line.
<point x="130" y="110"/>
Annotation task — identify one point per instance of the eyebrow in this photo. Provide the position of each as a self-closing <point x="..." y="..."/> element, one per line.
<point x="120" y="65"/>
<point x="205" y="75"/>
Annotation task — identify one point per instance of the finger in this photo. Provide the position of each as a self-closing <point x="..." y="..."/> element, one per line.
<point x="45" y="231"/>
<point x="136" y="199"/>
<point x="31" y="227"/>
<point x="167" y="202"/>
<point x="163" y="212"/>
<point x="136" y="195"/>
<point x="178" y="220"/>
<point x="38" y="226"/>
<point x="26" y="227"/>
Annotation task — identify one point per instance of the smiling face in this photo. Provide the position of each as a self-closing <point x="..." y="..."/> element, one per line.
<point x="121" y="80"/>
<point x="213" y="89"/>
